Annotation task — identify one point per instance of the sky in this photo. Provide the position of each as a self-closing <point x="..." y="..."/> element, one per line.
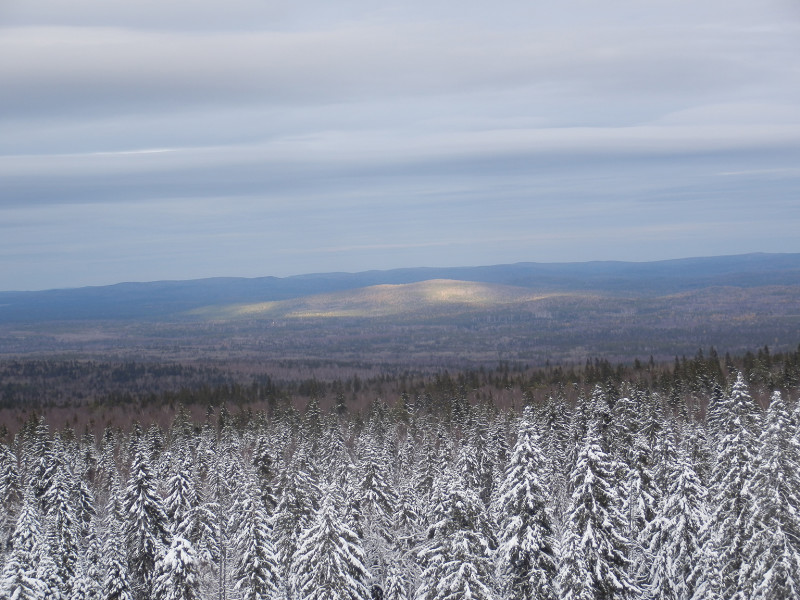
<point x="179" y="139"/>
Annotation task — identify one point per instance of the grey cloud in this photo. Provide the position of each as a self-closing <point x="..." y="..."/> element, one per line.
<point x="183" y="139"/>
<point x="80" y="70"/>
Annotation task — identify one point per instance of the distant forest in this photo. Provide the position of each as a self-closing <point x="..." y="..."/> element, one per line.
<point x="97" y="394"/>
<point x="599" y="482"/>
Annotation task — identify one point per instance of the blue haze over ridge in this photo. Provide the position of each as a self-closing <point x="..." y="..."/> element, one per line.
<point x="169" y="299"/>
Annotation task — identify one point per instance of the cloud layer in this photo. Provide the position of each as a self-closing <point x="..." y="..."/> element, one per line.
<point x="185" y="139"/>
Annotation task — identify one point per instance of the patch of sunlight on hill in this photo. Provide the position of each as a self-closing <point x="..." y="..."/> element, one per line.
<point x="382" y="301"/>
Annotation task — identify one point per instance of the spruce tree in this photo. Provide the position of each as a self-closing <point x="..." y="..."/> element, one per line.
<point x="64" y="527"/>
<point x="675" y="542"/>
<point x="20" y="577"/>
<point x="771" y="567"/>
<point x="574" y="582"/>
<point x="725" y="534"/>
<point x="298" y="501"/>
<point x="525" y="553"/>
<point x="598" y="526"/>
<point x="10" y="495"/>
<point x="146" y="524"/>
<point x="176" y="572"/>
<point x="256" y="574"/>
<point x="457" y="560"/>
<point x="329" y="562"/>
<point x="116" y="584"/>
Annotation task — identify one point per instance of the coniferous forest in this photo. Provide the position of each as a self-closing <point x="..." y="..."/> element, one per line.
<point x="624" y="493"/>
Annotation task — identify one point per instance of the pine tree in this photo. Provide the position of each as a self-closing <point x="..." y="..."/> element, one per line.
<point x="526" y="554"/>
<point x="329" y="562"/>
<point x="597" y="523"/>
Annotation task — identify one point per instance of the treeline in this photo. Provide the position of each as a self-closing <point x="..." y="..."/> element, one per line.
<point x="95" y="394"/>
<point x="623" y="493"/>
<point x="42" y="383"/>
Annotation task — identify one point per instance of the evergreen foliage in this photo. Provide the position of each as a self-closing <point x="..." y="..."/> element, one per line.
<point x="329" y="562"/>
<point x="526" y="553"/>
<point x="597" y="524"/>
<point x="620" y="494"/>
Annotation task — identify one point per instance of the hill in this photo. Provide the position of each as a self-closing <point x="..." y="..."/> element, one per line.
<point x="526" y="313"/>
<point x="415" y="300"/>
<point x="171" y="299"/>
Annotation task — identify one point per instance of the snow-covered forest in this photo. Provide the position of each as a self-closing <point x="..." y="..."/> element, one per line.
<point x="624" y="494"/>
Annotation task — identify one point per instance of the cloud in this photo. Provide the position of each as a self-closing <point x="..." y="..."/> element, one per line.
<point x="399" y="133"/>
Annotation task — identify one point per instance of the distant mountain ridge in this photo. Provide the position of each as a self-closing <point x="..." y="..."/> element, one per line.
<point x="177" y="299"/>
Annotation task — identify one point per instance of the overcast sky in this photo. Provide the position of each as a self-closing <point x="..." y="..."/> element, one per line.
<point x="177" y="139"/>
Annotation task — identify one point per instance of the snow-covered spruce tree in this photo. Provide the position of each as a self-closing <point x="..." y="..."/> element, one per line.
<point x="329" y="561"/>
<point x="189" y="516"/>
<point x="674" y="535"/>
<point x="666" y="455"/>
<point x="116" y="584"/>
<point x="525" y="554"/>
<point x="265" y="471"/>
<point x="771" y="569"/>
<point x="396" y="585"/>
<point x="146" y="525"/>
<point x="91" y="561"/>
<point x="499" y="450"/>
<point x="457" y="560"/>
<point x="181" y="499"/>
<point x="47" y="572"/>
<point x="256" y="575"/>
<point x="597" y="525"/>
<point x="84" y="587"/>
<point x="642" y="498"/>
<point x="224" y="467"/>
<point x="20" y="579"/>
<point x="376" y="495"/>
<point x="725" y="535"/>
<point x="555" y="419"/>
<point x="374" y="501"/>
<point x="64" y="527"/>
<point x="717" y="414"/>
<point x="299" y="499"/>
<point x="478" y="470"/>
<point x="574" y="580"/>
<point x="176" y="576"/>
<point x="49" y="465"/>
<point x="10" y="493"/>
